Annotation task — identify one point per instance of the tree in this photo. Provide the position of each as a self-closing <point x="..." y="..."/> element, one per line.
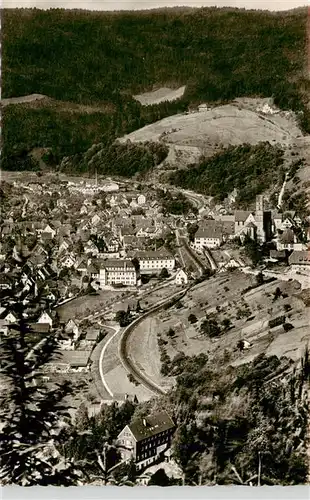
<point x="192" y="318"/>
<point x="159" y="478"/>
<point x="33" y="415"/>
<point x="164" y="273"/>
<point x="123" y="318"/>
<point x="226" y="323"/>
<point x="210" y="327"/>
<point x="260" y="279"/>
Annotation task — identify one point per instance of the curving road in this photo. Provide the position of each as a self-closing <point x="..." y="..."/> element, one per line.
<point x="127" y="363"/>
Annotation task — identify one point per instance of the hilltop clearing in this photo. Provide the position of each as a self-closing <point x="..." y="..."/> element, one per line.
<point x="231" y="124"/>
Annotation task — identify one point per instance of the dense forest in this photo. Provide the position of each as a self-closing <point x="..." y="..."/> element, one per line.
<point x="119" y="159"/>
<point x="231" y="418"/>
<point x="249" y="169"/>
<point x="102" y="59"/>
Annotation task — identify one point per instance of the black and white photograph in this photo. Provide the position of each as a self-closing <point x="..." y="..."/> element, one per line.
<point x="155" y="245"/>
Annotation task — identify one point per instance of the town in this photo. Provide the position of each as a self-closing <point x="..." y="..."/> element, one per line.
<point x="101" y="256"/>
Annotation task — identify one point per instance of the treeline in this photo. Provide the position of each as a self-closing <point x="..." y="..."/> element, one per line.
<point x="250" y="169"/>
<point x="118" y="159"/>
<point x="102" y="59"/>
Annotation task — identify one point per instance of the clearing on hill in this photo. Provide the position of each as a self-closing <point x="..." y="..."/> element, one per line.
<point x="231" y="124"/>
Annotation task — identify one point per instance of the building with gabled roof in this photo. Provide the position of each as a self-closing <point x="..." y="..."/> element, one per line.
<point x="145" y="439"/>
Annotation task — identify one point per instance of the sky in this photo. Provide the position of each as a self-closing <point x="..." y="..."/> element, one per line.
<point x="150" y="4"/>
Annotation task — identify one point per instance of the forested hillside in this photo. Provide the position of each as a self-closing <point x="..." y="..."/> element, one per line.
<point x="250" y="169"/>
<point x="102" y="59"/>
<point x="229" y="419"/>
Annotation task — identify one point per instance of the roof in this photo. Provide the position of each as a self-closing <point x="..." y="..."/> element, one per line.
<point x="154" y="255"/>
<point x="301" y="257"/>
<point x="277" y="254"/>
<point x="155" y="424"/>
<point x="40" y="327"/>
<point x="287" y="236"/>
<point x="92" y="334"/>
<point x="210" y="229"/>
<point x="74" y="358"/>
<point x="116" y="263"/>
<point x="242" y="215"/>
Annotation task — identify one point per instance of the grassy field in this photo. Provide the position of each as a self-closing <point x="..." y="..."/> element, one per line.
<point x="249" y="314"/>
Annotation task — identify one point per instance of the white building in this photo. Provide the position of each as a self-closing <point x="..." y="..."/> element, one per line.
<point x="181" y="278"/>
<point x="45" y="318"/>
<point x="114" y="272"/>
<point x="72" y="328"/>
<point x="209" y="235"/>
<point x="155" y="261"/>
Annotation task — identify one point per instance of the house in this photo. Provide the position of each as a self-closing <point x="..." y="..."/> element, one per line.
<point x="287" y="223"/>
<point x="112" y="244"/>
<point x="95" y="219"/>
<point x="5" y="282"/>
<point x="155" y="261"/>
<point x="117" y="272"/>
<point x="40" y="328"/>
<point x="68" y="260"/>
<point x="146" y="439"/>
<point x="72" y="329"/>
<point x="10" y="318"/>
<point x="91" y="248"/>
<point x="141" y="199"/>
<point x="277" y="221"/>
<point x="286" y="240"/>
<point x="277" y="255"/>
<point x="181" y="278"/>
<point x="300" y="261"/>
<point x="4" y="328"/>
<point x="49" y="230"/>
<point x="70" y="360"/>
<point x="45" y="318"/>
<point x="209" y="235"/>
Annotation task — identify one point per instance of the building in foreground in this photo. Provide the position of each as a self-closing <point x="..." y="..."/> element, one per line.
<point x="146" y="439"/>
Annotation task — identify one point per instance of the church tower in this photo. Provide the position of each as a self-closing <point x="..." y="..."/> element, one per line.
<point x="259" y="218"/>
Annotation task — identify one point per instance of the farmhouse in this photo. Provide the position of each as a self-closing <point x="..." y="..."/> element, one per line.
<point x="146" y="439"/>
<point x="113" y="272"/>
<point x="154" y="261"/>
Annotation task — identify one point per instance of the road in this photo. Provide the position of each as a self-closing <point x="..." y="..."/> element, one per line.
<point x="187" y="254"/>
<point x="128" y="363"/>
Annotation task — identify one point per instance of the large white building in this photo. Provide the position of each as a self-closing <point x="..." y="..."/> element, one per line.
<point x="209" y="235"/>
<point x="155" y="261"/>
<point x="117" y="272"/>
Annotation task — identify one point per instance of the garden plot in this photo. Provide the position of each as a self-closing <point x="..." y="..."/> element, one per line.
<point x="89" y="304"/>
<point x="229" y="298"/>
